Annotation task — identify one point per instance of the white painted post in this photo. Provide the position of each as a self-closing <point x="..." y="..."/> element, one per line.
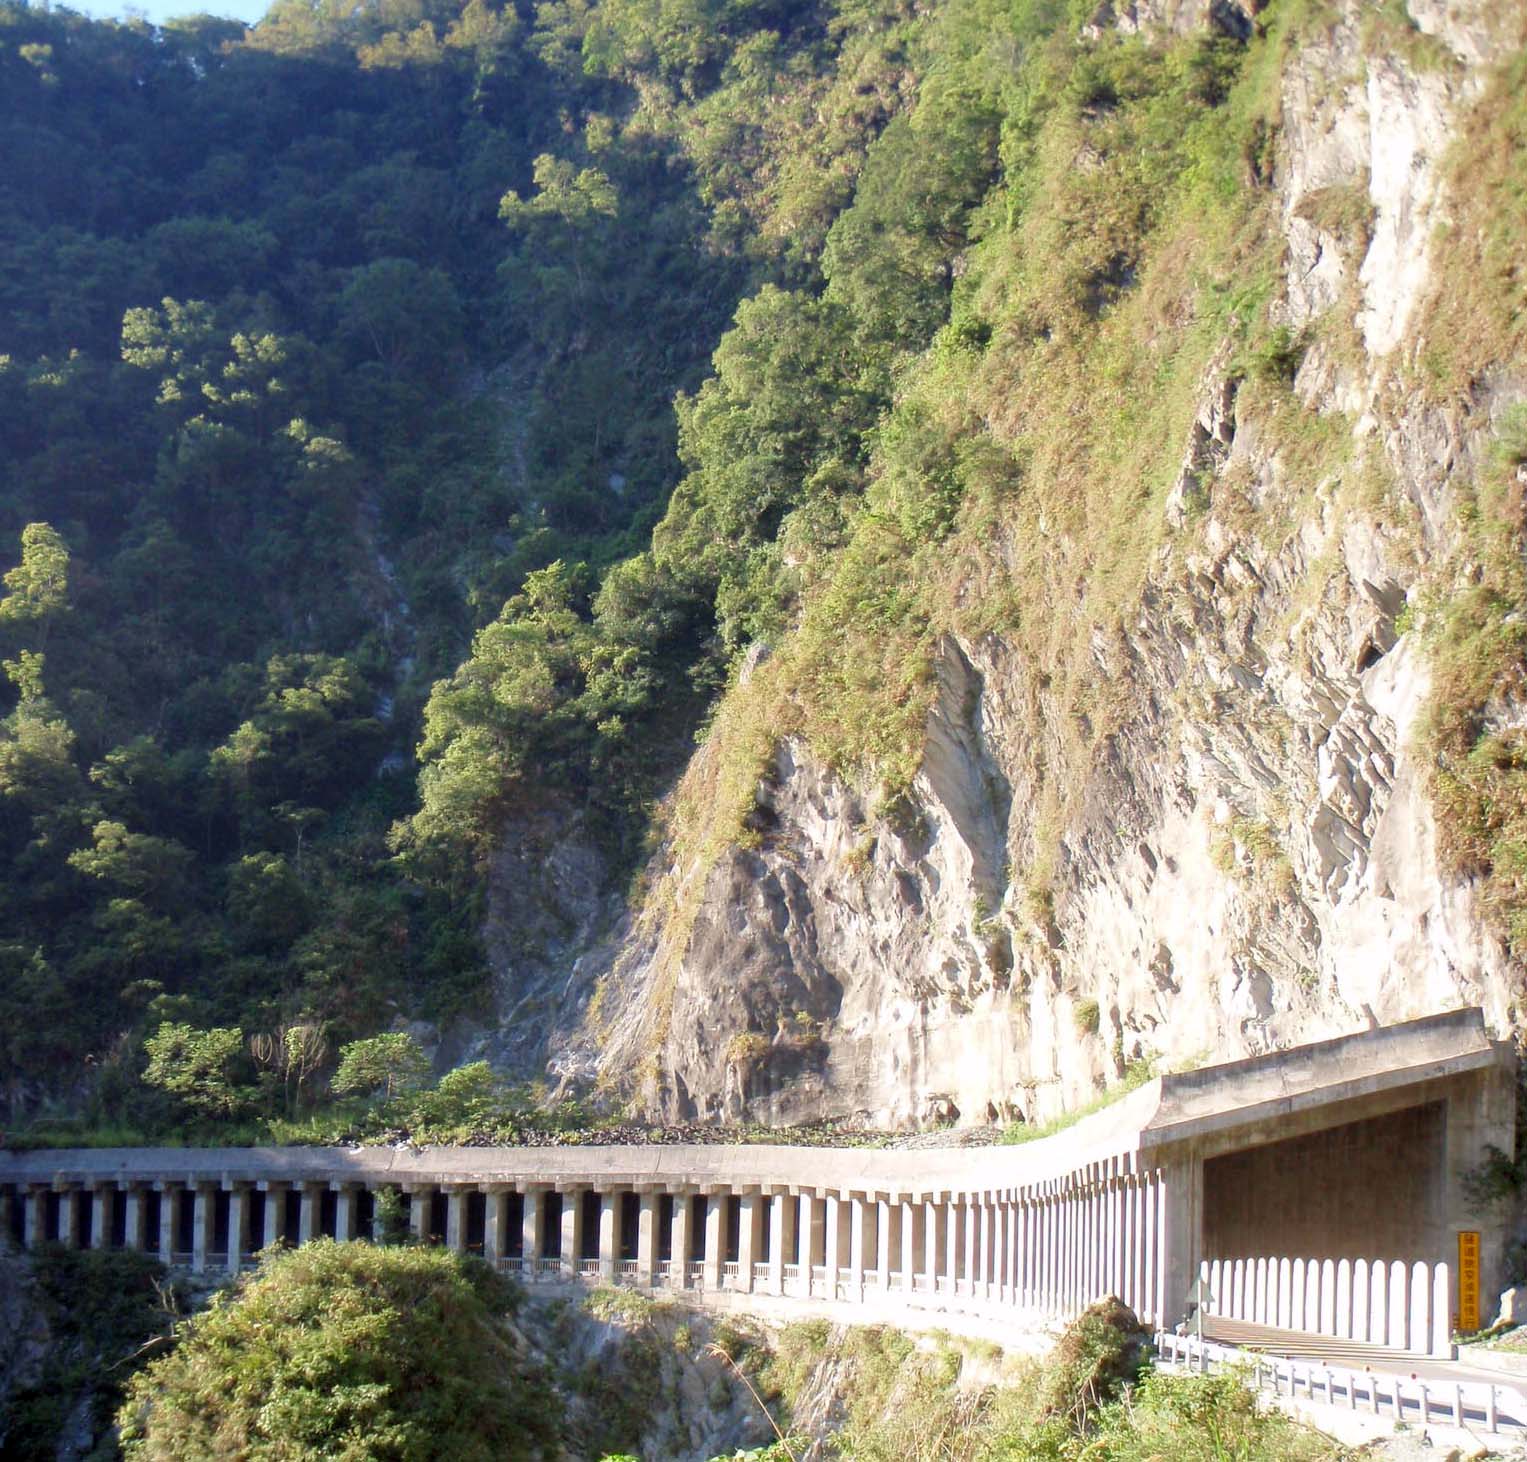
<point x="609" y="1239"/>
<point x="1420" y="1308"/>
<point x="884" y="1239"/>
<point x="1150" y="1201"/>
<point x="1259" y="1313"/>
<point x="1344" y="1300"/>
<point x="1442" y="1316"/>
<point x="1327" y="1298"/>
<point x="1399" y="1307"/>
<point x="1378" y="1303"/>
<point x="1360" y="1300"/>
<point x="1312" y="1295"/>
<point x="1296" y="1285"/>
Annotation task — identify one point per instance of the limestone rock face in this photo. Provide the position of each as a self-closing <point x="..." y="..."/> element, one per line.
<point x="1252" y="861"/>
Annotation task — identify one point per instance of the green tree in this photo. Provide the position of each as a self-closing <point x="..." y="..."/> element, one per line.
<point x="348" y="1350"/>
<point x="39" y="584"/>
<point x="390" y="1063"/>
<point x="196" y="1067"/>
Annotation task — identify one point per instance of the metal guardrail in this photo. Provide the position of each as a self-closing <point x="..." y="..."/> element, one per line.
<point x="1498" y="1409"/>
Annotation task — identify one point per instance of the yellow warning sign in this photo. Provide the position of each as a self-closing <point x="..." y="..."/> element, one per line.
<point x="1468" y="1281"/>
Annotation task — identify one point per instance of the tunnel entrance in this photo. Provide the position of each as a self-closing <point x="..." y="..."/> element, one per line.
<point x="1371" y="1188"/>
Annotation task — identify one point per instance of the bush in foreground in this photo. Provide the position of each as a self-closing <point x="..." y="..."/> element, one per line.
<point x="347" y="1351"/>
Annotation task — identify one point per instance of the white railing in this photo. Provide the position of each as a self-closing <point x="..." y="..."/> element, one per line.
<point x="588" y="1268"/>
<point x="1408" y="1399"/>
<point x="1375" y="1302"/>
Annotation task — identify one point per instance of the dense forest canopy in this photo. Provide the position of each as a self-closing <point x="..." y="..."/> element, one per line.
<point x="337" y="360"/>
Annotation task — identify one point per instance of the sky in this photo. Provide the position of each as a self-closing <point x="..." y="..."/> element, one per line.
<point x="161" y="10"/>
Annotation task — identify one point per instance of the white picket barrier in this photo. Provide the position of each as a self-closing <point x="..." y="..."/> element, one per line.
<point x="1377" y="1302"/>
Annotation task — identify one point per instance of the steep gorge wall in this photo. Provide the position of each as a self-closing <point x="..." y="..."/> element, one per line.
<point x="1251" y="857"/>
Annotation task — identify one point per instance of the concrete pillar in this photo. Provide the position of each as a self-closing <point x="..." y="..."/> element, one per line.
<point x="1150" y="1202"/>
<point x="274" y="1225"/>
<point x="34" y="1217"/>
<point x="1000" y="1286"/>
<point x="456" y="1220"/>
<point x="1014" y="1250"/>
<point x="201" y="1227"/>
<point x="100" y="1215"/>
<point x="973" y="1262"/>
<point x="986" y="1246"/>
<point x="715" y="1240"/>
<point x="934" y="1226"/>
<point x="782" y="1235"/>
<point x="860" y="1245"/>
<point x="69" y="1216"/>
<point x="680" y="1249"/>
<point x="954" y="1228"/>
<point x="749" y="1239"/>
<point x="836" y="1242"/>
<point x="648" y="1222"/>
<point x="169" y="1220"/>
<point x="532" y="1228"/>
<point x="310" y="1214"/>
<point x="344" y="1212"/>
<point x="572" y="1230"/>
<point x="420" y="1202"/>
<point x="495" y="1222"/>
<point x="1180" y="1216"/>
<point x="238" y="1225"/>
<point x="887" y="1242"/>
<point x="609" y="1235"/>
<point x="911" y="1221"/>
<point x="813" y="1224"/>
<point x="133" y="1225"/>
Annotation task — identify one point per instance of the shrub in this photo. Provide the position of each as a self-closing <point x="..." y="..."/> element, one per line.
<point x="345" y="1350"/>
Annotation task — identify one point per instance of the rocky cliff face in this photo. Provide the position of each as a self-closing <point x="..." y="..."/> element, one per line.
<point x="1252" y="858"/>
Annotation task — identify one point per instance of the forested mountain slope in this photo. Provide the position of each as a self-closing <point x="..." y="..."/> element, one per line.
<point x="317" y="345"/>
<point x="1087" y="538"/>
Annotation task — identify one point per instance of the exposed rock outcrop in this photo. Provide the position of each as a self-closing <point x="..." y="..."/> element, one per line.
<point x="1251" y="859"/>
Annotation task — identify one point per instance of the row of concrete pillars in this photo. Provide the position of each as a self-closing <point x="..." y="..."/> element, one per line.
<point x="1047" y="1252"/>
